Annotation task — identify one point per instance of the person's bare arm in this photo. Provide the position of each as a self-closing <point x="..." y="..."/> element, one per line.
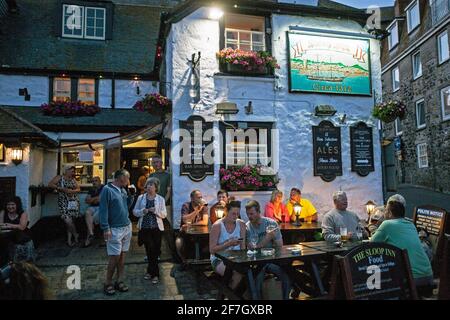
<point x="214" y="237"/>
<point x="243" y="234"/>
<point x="205" y="218"/>
<point x="54" y="182"/>
<point x="23" y="222"/>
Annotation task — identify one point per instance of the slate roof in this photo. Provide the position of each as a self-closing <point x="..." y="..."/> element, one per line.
<point x="31" y="40"/>
<point x="107" y="120"/>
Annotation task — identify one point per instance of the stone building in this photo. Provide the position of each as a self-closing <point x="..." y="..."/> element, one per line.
<point x="416" y="69"/>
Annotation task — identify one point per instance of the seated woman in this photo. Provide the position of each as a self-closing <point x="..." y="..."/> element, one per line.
<point x="227" y="233"/>
<point x="14" y="222"/>
<point x="275" y="209"/>
<point x="398" y="231"/>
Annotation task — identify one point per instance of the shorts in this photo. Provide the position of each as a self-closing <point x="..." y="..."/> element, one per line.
<point x="95" y="214"/>
<point x="120" y="240"/>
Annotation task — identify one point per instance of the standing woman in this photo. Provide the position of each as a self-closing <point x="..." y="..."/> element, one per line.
<point x="68" y="202"/>
<point x="275" y="209"/>
<point x="151" y="210"/>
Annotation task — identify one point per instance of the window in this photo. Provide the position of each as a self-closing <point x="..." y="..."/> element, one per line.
<point x="393" y="35"/>
<point x="420" y="114"/>
<point x="445" y="102"/>
<point x="61" y="89"/>
<point x="439" y="10"/>
<point x="88" y="163"/>
<point x="244" y="32"/>
<point x="2" y="152"/>
<point x="86" y="91"/>
<point x="413" y="15"/>
<point x="395" y="79"/>
<point x="417" y="65"/>
<point x="83" y="22"/>
<point x="443" y="48"/>
<point x="398" y="127"/>
<point x="422" y="155"/>
<point x="250" y="145"/>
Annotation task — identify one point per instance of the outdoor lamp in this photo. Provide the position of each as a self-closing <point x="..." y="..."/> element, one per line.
<point x="17" y="155"/>
<point x="215" y="14"/>
<point x="297" y="211"/>
<point x="370" y="207"/>
<point x="219" y="212"/>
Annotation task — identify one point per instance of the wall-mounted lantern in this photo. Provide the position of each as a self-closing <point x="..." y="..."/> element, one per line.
<point x="325" y="111"/>
<point x="370" y="207"/>
<point x="17" y="155"/>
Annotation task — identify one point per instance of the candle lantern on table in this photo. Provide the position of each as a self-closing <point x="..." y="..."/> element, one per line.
<point x="297" y="210"/>
<point x="220" y="212"/>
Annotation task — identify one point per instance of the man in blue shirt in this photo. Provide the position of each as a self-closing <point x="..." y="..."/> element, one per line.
<point x="116" y="226"/>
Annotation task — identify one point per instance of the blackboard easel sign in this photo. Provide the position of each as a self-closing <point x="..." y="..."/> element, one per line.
<point x="196" y="168"/>
<point x="361" y="149"/>
<point x="430" y="218"/>
<point x="327" y="151"/>
<point x="373" y="271"/>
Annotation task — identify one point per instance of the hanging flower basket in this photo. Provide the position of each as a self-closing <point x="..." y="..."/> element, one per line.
<point x="153" y="103"/>
<point x="248" y="178"/>
<point x="68" y="109"/>
<point x="389" y="111"/>
<point x="240" y="62"/>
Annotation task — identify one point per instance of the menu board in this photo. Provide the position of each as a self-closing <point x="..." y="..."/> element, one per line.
<point x="430" y="218"/>
<point x="376" y="271"/>
<point x="327" y="151"/>
<point x="361" y="147"/>
<point x="194" y="140"/>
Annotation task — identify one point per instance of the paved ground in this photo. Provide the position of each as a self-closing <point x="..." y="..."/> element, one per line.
<point x="55" y="257"/>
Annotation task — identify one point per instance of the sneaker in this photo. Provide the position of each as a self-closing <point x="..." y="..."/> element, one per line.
<point x="155" y="280"/>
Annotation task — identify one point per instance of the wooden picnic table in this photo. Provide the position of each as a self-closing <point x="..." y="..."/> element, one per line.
<point x="241" y="262"/>
<point x="331" y="248"/>
<point x="294" y="234"/>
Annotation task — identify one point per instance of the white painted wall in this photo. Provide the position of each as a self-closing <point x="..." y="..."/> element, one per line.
<point x="10" y="85"/>
<point x="126" y="91"/>
<point x="293" y="114"/>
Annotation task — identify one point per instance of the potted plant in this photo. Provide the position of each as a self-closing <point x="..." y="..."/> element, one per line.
<point x="389" y="111"/>
<point x="248" y="178"/>
<point x="67" y="109"/>
<point x="153" y="103"/>
<point x="236" y="61"/>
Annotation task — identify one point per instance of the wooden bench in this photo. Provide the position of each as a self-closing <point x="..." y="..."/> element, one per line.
<point x="219" y="283"/>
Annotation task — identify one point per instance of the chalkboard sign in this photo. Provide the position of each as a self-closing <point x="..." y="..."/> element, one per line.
<point x="196" y="137"/>
<point x="444" y="283"/>
<point x="430" y="218"/>
<point x="373" y="271"/>
<point x="327" y="151"/>
<point x="361" y="147"/>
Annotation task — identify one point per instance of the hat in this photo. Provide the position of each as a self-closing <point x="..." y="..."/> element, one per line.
<point x="397" y="198"/>
<point x="68" y="167"/>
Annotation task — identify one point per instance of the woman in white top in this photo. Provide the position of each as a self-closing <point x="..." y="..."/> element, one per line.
<point x="227" y="233"/>
<point x="150" y="208"/>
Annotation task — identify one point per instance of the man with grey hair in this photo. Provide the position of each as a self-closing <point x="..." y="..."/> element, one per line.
<point x="116" y="226"/>
<point x="338" y="218"/>
<point x="380" y="213"/>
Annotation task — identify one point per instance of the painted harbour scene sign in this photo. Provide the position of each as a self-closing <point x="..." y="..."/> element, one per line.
<point x="329" y="64"/>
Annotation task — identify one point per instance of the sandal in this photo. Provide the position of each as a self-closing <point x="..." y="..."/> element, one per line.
<point x="147" y="276"/>
<point x="121" y="287"/>
<point x="108" y="289"/>
<point x="89" y="240"/>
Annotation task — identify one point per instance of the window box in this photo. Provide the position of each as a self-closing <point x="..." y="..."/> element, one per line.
<point x="248" y="178"/>
<point x="240" y="70"/>
<point x="68" y="109"/>
<point x="154" y="103"/>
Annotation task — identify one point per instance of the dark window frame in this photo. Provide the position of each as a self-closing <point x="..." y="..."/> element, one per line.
<point x="2" y="152"/>
<point x="250" y="125"/>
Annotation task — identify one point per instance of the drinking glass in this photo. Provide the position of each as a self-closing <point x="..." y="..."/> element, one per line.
<point x="188" y="225"/>
<point x="343" y="233"/>
<point x="253" y="242"/>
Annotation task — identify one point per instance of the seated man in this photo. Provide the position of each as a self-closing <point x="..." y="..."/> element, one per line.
<point x="338" y="218"/>
<point x="222" y="201"/>
<point x="376" y="219"/>
<point x="308" y="209"/>
<point x="91" y="216"/>
<point x="194" y="212"/>
<point x="258" y="236"/>
<point x="399" y="232"/>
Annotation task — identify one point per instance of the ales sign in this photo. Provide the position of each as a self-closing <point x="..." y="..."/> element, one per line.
<point x="327" y="151"/>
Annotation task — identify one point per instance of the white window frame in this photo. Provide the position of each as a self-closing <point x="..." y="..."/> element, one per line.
<point x="390" y="28"/>
<point x="418" y="75"/>
<point x="104" y="23"/>
<point x="420" y="126"/>
<point x="239" y="31"/>
<point x="396" y="123"/>
<point x="54" y="84"/>
<point x="422" y="158"/>
<point x="395" y="89"/>
<point x="440" y="59"/>
<point x="444" y="116"/>
<point x="65" y="6"/>
<point x="408" y="10"/>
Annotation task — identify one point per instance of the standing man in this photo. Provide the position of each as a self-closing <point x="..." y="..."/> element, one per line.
<point x="116" y="227"/>
<point x="164" y="190"/>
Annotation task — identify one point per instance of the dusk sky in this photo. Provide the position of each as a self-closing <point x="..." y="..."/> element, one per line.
<point x="366" y="3"/>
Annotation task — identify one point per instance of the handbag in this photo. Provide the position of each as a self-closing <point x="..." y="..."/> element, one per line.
<point x="72" y="205"/>
<point x="140" y="238"/>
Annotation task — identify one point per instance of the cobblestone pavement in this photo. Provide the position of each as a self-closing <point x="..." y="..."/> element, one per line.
<point x="54" y="259"/>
